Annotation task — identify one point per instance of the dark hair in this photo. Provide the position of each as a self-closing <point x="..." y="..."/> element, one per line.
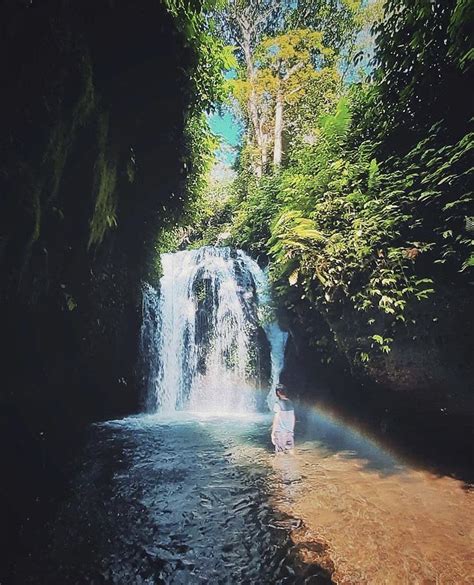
<point x="280" y="388"/>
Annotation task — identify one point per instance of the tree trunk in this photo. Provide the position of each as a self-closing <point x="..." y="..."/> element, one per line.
<point x="260" y="163"/>
<point x="257" y="132"/>
<point x="278" y="146"/>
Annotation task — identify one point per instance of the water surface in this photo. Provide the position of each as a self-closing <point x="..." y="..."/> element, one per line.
<point x="175" y="501"/>
<point x="202" y="499"/>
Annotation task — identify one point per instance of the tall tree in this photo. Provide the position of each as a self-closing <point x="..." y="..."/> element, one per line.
<point x="346" y="26"/>
<point x="289" y="68"/>
<point x="244" y="24"/>
<point x="291" y="61"/>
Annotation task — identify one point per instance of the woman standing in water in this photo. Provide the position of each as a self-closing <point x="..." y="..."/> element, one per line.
<point x="283" y="422"/>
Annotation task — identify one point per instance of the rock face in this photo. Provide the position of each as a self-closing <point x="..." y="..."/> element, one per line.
<point x="417" y="399"/>
<point x="94" y="99"/>
<point x="93" y="134"/>
<point x="428" y="363"/>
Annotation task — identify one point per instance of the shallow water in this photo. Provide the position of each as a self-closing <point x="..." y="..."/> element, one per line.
<point x="201" y="499"/>
<point x="171" y="501"/>
<point x="379" y="521"/>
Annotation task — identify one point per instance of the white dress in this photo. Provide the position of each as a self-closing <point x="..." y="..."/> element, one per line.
<point x="283" y="426"/>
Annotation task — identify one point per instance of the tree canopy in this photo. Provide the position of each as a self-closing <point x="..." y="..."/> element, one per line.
<point x="353" y="177"/>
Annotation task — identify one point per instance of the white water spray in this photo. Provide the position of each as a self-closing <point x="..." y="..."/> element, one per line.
<point x="276" y="337"/>
<point x="200" y="334"/>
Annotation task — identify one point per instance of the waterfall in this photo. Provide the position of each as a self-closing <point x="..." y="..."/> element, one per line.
<point x="149" y="341"/>
<point x="276" y="337"/>
<point x="209" y="332"/>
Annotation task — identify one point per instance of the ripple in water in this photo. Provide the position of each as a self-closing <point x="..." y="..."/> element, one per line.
<point x="173" y="502"/>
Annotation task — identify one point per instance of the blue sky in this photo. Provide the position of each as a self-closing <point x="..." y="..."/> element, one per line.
<point x="226" y="126"/>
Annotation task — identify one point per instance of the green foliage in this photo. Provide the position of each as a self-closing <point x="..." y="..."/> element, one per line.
<point x="35" y="210"/>
<point x="64" y="132"/>
<point x="191" y="218"/>
<point x="344" y="229"/>
<point x="346" y="28"/>
<point x="460" y="29"/>
<point x="200" y="291"/>
<point x="214" y="219"/>
<point x="44" y="187"/>
<point x="371" y="231"/>
<point x="423" y="52"/>
<point x="337" y="19"/>
<point x="369" y="214"/>
<point x="251" y="225"/>
<point x="187" y="212"/>
<point x="70" y="302"/>
<point x="193" y="20"/>
<point x="197" y="162"/>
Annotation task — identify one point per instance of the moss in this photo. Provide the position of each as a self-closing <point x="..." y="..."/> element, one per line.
<point x="64" y="132"/>
<point x="200" y="291"/>
<point x="104" y="216"/>
<point x="87" y="100"/>
<point x="55" y="158"/>
<point x="35" y="210"/>
<point x="63" y="135"/>
<point x="44" y="187"/>
<point x="131" y="171"/>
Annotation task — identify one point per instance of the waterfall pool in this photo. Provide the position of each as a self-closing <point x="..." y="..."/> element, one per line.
<point x="177" y="500"/>
<point x="191" y="493"/>
<point x="196" y="498"/>
<point x="341" y="506"/>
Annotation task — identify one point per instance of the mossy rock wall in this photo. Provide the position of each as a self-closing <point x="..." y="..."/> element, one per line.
<point x="428" y="362"/>
<point x="93" y="127"/>
<point x="93" y="107"/>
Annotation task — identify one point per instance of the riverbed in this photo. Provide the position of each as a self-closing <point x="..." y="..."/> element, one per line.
<point x="379" y="520"/>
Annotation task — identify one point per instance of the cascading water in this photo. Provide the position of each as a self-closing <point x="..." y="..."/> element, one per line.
<point x="202" y="340"/>
<point x="276" y="337"/>
<point x="149" y="340"/>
